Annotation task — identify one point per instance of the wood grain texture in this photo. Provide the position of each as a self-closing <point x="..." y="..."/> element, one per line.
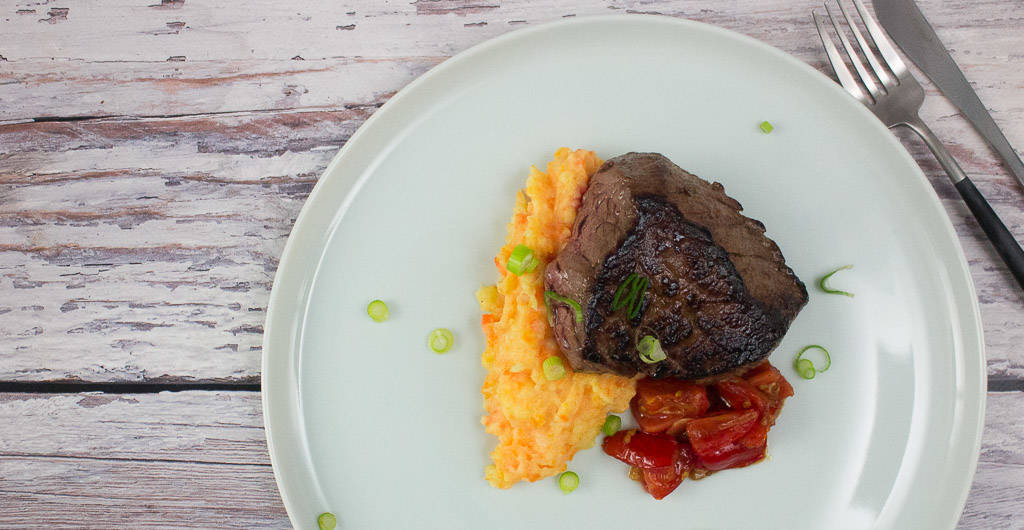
<point x="154" y="155"/>
<point x="179" y="189"/>
<point x="198" y="459"/>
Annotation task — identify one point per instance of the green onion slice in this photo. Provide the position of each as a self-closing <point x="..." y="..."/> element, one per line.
<point x="553" y="368"/>
<point x="326" y="521"/>
<point x="618" y="301"/>
<point x="522" y="260"/>
<point x="824" y="286"/>
<point x="440" y="340"/>
<point x="612" y="424"/>
<point x="805" y="367"/>
<point x="630" y="294"/>
<point x="766" y="127"/>
<point x="378" y="311"/>
<point x="637" y="300"/>
<point x="650" y="350"/>
<point x="568" y="482"/>
<point x="576" y="308"/>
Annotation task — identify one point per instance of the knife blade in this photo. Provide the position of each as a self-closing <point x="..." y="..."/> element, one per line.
<point x="915" y="36"/>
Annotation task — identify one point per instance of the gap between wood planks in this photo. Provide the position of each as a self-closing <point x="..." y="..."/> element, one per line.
<point x="127" y="387"/>
<point x="131" y="387"/>
<point x="127" y="117"/>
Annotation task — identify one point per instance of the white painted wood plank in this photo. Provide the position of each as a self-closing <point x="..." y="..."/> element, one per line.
<point x="99" y="493"/>
<point x="40" y="88"/>
<point x="197" y="459"/>
<point x="995" y="500"/>
<point x="184" y="218"/>
<point x="194" y="426"/>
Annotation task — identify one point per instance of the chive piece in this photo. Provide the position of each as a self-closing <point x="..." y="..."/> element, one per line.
<point x="440" y="340"/>
<point x="378" y="311"/>
<point x="553" y="368"/>
<point x="568" y="482"/>
<point x="824" y="286"/>
<point x="766" y="127"/>
<point x="624" y="287"/>
<point x="638" y="300"/>
<point x="612" y="424"/>
<point x="650" y="350"/>
<point x="828" y="358"/>
<point x="576" y="308"/>
<point x="805" y="368"/>
<point x="326" y="521"/>
<point x="522" y="260"/>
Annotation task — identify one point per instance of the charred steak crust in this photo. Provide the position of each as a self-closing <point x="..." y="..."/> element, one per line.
<point x="720" y="295"/>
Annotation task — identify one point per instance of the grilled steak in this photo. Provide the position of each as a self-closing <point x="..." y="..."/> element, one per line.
<point x="718" y="295"/>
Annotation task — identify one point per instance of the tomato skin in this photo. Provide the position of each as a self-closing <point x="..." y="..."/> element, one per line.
<point x="641" y="449"/>
<point x="769" y="379"/>
<point x="730" y="456"/>
<point x="741" y="395"/>
<point x="713" y="433"/>
<point x="665" y="405"/>
<point x="661" y="481"/>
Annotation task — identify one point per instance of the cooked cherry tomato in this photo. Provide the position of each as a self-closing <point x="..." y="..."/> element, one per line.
<point x="692" y="430"/>
<point x="757" y="436"/>
<point x="664" y="405"/>
<point x="738" y="394"/>
<point x="641" y="449"/>
<point x="730" y="456"/>
<point x="769" y="380"/>
<point x="661" y="481"/>
<point x="711" y="434"/>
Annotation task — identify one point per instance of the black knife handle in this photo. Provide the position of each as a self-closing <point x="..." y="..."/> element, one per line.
<point x="1007" y="245"/>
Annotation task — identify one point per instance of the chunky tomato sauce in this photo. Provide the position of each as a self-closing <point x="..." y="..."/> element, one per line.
<point x="691" y="430"/>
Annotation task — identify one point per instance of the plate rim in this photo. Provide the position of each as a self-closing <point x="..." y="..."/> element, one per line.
<point x="290" y="324"/>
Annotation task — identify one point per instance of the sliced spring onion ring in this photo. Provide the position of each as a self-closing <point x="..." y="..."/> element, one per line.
<point x="576" y="308"/>
<point x="440" y="340"/>
<point x="378" y="311"/>
<point x="805" y="367"/>
<point x="612" y="424"/>
<point x="553" y="368"/>
<point x="824" y="286"/>
<point x="568" y="482"/>
<point x="522" y="260"/>
<point x="618" y="301"/>
<point x="326" y="521"/>
<point x="766" y="127"/>
<point x="650" y="350"/>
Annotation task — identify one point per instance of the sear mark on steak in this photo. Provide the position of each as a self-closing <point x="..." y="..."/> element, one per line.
<point x="720" y="295"/>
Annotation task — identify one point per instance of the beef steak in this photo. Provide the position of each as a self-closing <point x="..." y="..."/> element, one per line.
<point x="719" y="294"/>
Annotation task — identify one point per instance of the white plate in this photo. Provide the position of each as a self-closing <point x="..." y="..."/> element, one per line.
<point x="364" y="421"/>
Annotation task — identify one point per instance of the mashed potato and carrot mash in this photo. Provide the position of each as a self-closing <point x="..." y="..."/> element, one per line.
<point x="540" y="424"/>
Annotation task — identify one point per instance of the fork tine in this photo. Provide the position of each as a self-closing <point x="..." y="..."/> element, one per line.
<point x="836" y="60"/>
<point x="883" y="74"/>
<point x="884" y="45"/>
<point x="858" y="65"/>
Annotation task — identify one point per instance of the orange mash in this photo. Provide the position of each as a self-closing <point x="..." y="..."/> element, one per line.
<point x="540" y="424"/>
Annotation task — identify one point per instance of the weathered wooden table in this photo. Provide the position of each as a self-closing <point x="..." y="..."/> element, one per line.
<point x="154" y="155"/>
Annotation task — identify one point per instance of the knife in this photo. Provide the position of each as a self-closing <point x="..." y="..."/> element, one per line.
<point x="915" y="36"/>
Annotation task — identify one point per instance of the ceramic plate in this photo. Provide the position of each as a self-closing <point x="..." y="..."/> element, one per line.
<point x="364" y="421"/>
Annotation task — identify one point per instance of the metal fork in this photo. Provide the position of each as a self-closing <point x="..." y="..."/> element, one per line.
<point x="896" y="97"/>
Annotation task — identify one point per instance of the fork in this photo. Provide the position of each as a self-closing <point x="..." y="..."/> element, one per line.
<point x="895" y="97"/>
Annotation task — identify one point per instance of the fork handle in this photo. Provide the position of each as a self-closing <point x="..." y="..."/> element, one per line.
<point x="1006" y="245"/>
<point x="994" y="228"/>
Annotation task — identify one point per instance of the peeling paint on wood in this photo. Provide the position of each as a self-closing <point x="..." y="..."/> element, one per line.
<point x="193" y="457"/>
<point x="153" y="158"/>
